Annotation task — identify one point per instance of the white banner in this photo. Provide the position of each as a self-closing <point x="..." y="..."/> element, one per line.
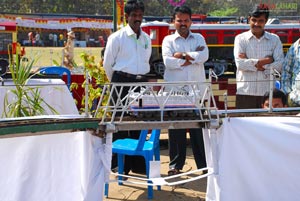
<point x="66" y="23"/>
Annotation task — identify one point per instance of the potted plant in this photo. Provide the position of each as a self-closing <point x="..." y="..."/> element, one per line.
<point x="94" y="80"/>
<point x="24" y="100"/>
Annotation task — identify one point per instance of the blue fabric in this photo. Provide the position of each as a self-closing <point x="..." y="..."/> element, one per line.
<point x="291" y="73"/>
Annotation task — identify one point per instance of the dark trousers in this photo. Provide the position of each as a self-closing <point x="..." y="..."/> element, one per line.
<point x="131" y="162"/>
<point x="248" y="102"/>
<point x="177" y="147"/>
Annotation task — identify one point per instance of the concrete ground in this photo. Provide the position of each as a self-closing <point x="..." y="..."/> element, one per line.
<point x="192" y="191"/>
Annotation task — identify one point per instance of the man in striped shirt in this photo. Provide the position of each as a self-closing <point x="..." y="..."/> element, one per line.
<point x="256" y="52"/>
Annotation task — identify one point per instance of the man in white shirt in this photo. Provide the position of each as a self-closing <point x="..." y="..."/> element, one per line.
<point x="256" y="52"/>
<point x="184" y="54"/>
<point x="126" y="59"/>
<point x="128" y="50"/>
<point x="38" y="39"/>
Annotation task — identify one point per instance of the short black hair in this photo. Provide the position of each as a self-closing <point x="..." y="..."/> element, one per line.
<point x="277" y="93"/>
<point x="182" y="9"/>
<point x="259" y="10"/>
<point x="132" y="5"/>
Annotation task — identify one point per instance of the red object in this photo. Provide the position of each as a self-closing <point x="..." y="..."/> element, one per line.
<point x="8" y="26"/>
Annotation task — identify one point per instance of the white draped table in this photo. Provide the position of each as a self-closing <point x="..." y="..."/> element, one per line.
<point x="54" y="91"/>
<point x="255" y="159"/>
<point x="64" y="166"/>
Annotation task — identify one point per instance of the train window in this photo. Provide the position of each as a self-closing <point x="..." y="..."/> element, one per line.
<point x="283" y="35"/>
<point x="295" y="35"/>
<point x="5" y="38"/>
<point x="153" y="34"/>
<point x="230" y="32"/>
<point x="281" y="32"/>
<point x="295" y="38"/>
<point x="228" y="39"/>
<point x="211" y="40"/>
<point x="283" y="39"/>
<point x="212" y="32"/>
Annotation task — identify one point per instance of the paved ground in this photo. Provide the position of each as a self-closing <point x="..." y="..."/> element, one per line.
<point x="193" y="191"/>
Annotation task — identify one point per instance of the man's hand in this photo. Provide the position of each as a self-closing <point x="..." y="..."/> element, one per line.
<point x="186" y="63"/>
<point x="261" y="62"/>
<point x="179" y="55"/>
<point x="268" y="60"/>
<point x="259" y="67"/>
<point x="242" y="56"/>
<point x="200" y="48"/>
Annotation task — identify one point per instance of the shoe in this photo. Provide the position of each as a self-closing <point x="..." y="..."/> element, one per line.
<point x="173" y="171"/>
<point x="123" y="178"/>
<point x="204" y="171"/>
<point x="114" y="170"/>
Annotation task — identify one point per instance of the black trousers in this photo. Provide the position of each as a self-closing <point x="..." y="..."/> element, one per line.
<point x="177" y="147"/>
<point x="134" y="163"/>
<point x="248" y="102"/>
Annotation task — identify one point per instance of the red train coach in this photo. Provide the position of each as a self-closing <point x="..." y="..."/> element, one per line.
<point x="9" y="45"/>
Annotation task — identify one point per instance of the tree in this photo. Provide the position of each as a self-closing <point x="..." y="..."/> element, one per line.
<point x="153" y="7"/>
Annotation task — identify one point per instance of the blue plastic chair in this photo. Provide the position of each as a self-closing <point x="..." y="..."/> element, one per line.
<point x="57" y="70"/>
<point x="149" y="149"/>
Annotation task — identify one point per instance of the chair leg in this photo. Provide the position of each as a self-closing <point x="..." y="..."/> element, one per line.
<point x="157" y="158"/>
<point x="120" y="167"/>
<point x="106" y="187"/>
<point x="150" y="188"/>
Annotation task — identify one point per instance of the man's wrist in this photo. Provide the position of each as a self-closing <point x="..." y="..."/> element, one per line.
<point x="183" y="56"/>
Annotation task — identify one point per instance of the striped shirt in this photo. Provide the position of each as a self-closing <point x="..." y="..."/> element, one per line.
<point x="290" y="78"/>
<point x="250" y="81"/>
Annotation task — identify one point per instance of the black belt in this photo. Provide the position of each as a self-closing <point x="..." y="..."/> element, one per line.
<point x="131" y="76"/>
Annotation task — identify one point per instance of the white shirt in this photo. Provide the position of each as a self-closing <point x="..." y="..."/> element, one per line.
<point x="249" y="80"/>
<point x="175" y="43"/>
<point x="37" y="37"/>
<point x="124" y="52"/>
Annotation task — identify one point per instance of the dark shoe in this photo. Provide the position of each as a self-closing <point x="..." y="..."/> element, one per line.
<point x="123" y="178"/>
<point x="114" y="170"/>
<point x="173" y="172"/>
<point x="204" y="171"/>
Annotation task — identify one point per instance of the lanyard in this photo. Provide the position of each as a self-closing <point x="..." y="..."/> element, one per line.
<point x="139" y="42"/>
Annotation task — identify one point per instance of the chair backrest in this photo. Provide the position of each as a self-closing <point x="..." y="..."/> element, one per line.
<point x="142" y="139"/>
<point x="57" y="70"/>
<point x="154" y="138"/>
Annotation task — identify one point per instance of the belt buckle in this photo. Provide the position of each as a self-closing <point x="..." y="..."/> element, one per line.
<point x="138" y="77"/>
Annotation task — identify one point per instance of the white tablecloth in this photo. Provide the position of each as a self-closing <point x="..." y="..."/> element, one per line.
<point x="61" y="167"/>
<point x="53" y="91"/>
<point x="255" y="159"/>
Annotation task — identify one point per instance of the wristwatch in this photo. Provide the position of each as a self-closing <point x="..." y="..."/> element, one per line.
<point x="183" y="56"/>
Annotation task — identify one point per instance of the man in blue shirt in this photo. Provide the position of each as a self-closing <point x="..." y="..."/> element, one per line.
<point x="290" y="79"/>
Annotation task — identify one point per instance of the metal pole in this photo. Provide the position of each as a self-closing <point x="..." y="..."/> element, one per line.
<point x="115" y="15"/>
<point x="271" y="90"/>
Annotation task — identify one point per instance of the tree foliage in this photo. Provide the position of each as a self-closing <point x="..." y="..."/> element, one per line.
<point x="153" y="7"/>
<point x="224" y="12"/>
